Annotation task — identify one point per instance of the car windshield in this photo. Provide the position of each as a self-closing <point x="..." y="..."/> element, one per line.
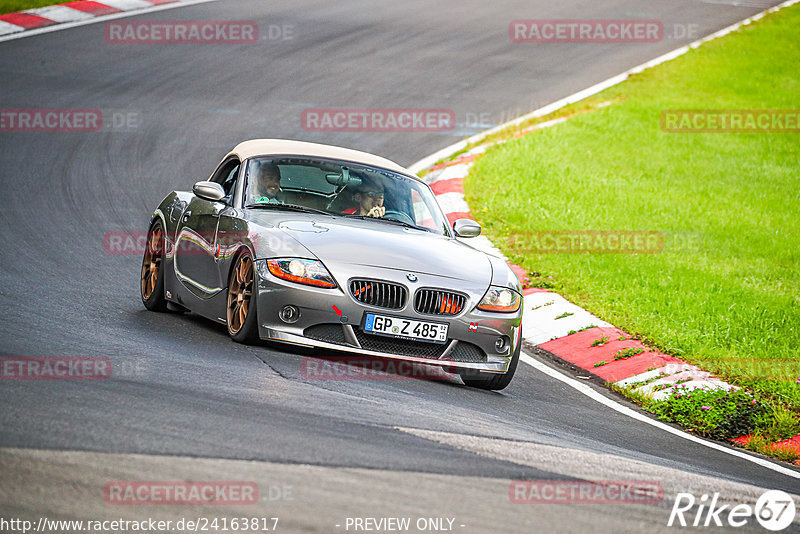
<point x="341" y="188"/>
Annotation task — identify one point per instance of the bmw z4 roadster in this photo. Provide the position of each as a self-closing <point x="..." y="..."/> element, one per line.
<point x="320" y="246"/>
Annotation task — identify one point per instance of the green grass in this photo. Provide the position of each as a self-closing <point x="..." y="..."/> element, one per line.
<point x="725" y="291"/>
<point x="713" y="414"/>
<point x="11" y="6"/>
<point x="724" y="415"/>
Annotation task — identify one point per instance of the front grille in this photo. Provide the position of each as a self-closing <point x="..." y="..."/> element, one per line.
<point x="439" y="302"/>
<point x="467" y="352"/>
<point x="331" y="333"/>
<point x="402" y="347"/>
<point x="379" y="294"/>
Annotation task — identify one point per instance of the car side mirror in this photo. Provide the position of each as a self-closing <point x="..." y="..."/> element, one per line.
<point x="209" y="191"/>
<point x="466" y="228"/>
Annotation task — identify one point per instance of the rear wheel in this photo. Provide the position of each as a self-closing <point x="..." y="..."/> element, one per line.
<point x="492" y="381"/>
<point x="242" y="316"/>
<point x="152" y="278"/>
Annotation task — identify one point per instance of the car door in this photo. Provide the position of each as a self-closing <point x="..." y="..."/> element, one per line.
<point x="197" y="249"/>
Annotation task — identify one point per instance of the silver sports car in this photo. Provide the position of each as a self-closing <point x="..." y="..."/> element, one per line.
<point x="327" y="247"/>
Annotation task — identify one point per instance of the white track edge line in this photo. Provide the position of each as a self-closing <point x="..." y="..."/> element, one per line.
<point x="624" y="410"/>
<point x="448" y="151"/>
<point x="112" y="16"/>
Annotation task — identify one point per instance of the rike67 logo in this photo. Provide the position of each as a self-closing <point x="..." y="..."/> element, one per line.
<point x="774" y="510"/>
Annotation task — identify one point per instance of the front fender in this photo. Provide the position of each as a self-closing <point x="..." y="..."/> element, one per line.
<point x="236" y="235"/>
<point x="503" y="276"/>
<point x="273" y="242"/>
<point x="169" y="211"/>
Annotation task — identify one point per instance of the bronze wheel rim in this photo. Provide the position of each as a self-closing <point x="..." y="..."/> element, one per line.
<point x="241" y="287"/>
<point x="151" y="262"/>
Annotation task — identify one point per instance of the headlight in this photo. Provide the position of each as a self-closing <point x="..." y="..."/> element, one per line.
<point x="309" y="272"/>
<point x="500" y="299"/>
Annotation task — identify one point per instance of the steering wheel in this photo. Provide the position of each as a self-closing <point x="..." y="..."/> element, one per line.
<point x="398" y="216"/>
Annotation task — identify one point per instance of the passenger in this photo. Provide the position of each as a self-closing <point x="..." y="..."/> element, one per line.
<point x="369" y="199"/>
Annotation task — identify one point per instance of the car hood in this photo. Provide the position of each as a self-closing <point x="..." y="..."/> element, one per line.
<point x="338" y="240"/>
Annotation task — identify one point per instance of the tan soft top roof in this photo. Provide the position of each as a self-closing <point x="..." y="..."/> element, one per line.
<point x="269" y="147"/>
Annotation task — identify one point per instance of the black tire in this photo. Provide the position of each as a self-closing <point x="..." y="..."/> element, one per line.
<point x="151" y="281"/>
<point x="492" y="381"/>
<point x="241" y="313"/>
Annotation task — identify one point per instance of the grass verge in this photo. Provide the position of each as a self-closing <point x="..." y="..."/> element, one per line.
<point x="12" y="6"/>
<point x="724" y="293"/>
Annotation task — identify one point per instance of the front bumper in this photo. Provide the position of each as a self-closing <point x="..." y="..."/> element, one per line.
<point x="332" y="319"/>
<point x="495" y="364"/>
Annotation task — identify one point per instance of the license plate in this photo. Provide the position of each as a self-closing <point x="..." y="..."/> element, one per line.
<point x="384" y="325"/>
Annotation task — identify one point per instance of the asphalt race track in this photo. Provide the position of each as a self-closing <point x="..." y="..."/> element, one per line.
<point x="185" y="402"/>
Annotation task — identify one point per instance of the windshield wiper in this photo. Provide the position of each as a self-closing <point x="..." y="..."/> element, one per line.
<point x="292" y="207"/>
<point x="393" y="221"/>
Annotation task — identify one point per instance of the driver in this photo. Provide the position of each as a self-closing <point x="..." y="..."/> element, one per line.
<point x="267" y="181"/>
<point x="369" y="199"/>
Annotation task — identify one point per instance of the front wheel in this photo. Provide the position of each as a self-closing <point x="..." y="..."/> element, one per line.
<point x="152" y="278"/>
<point x="242" y="315"/>
<point x="492" y="381"/>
